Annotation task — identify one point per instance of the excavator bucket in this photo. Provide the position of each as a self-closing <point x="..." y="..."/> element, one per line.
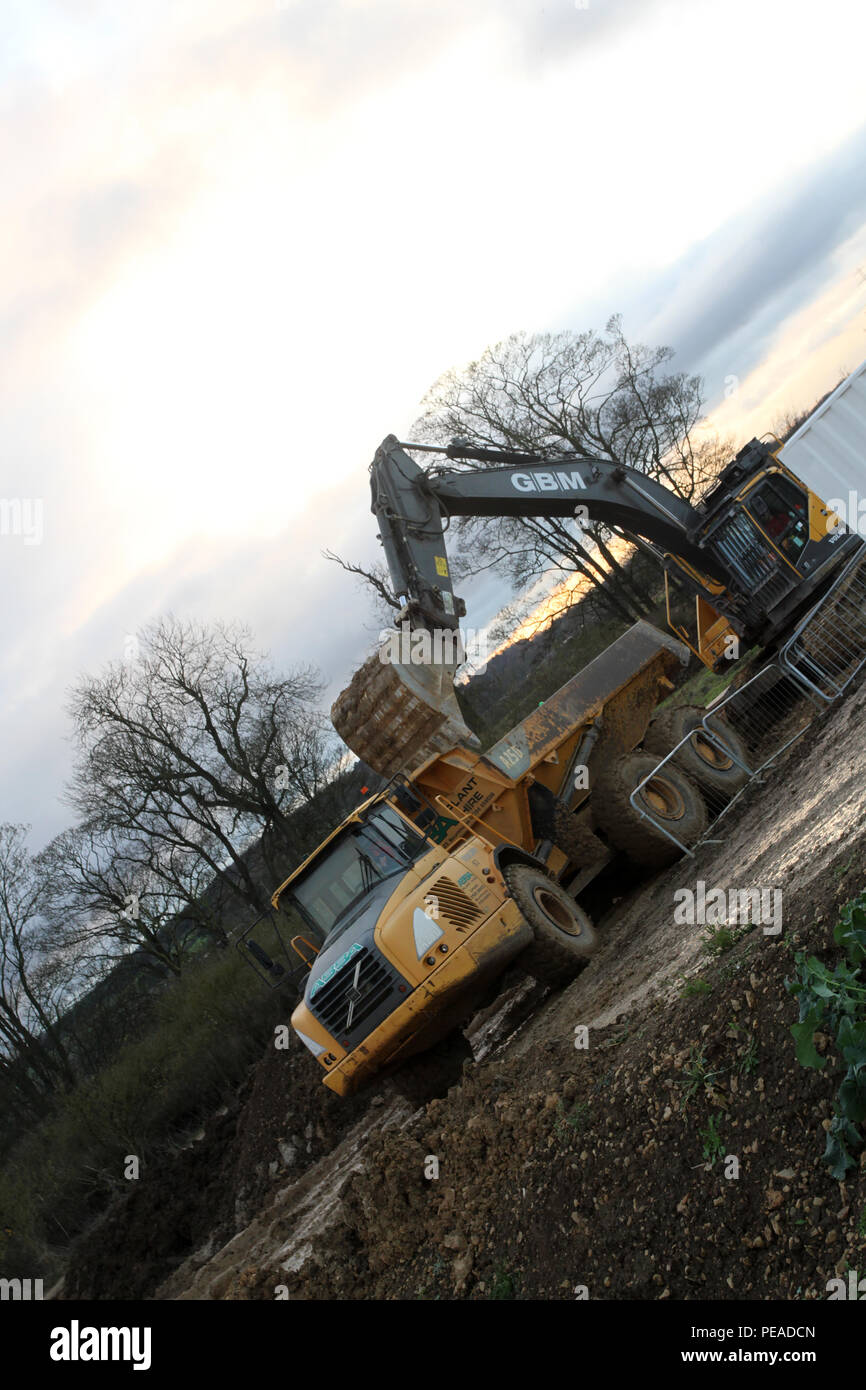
<point x="395" y="716"/>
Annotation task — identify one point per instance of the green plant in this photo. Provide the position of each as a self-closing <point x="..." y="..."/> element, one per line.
<point x="718" y="940"/>
<point x="749" y="1060"/>
<point x="697" y="1076"/>
<point x="731" y="968"/>
<point x="695" y="987"/>
<point x="714" y="1144"/>
<point x="574" y="1119"/>
<point x="834" y="1002"/>
<point x="503" y="1284"/>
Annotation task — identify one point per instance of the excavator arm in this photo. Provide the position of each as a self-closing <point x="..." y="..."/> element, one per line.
<point x="411" y="506"/>
<point x="747" y="553"/>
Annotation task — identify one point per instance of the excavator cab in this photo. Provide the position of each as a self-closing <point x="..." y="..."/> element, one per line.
<point x="781" y="510"/>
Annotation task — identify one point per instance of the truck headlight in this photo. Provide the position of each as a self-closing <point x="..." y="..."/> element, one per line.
<point x="425" y="931"/>
<point x="316" y="1048"/>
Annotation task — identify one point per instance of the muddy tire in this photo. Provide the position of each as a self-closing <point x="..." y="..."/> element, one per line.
<point x="574" y="839"/>
<point x="671" y="796"/>
<point x="430" y="1075"/>
<point x="564" y="935"/>
<point x="699" y="759"/>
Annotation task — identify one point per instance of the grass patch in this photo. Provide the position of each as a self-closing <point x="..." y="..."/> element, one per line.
<point x="748" y="1063"/>
<point x="503" y="1285"/>
<point x="208" y="1026"/>
<point x="714" y="1144"/>
<point x="697" y="1075"/>
<point x="701" y="688"/>
<point x="573" y="1120"/>
<point x="691" y="989"/>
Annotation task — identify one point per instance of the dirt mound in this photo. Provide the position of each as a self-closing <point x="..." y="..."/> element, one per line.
<point x="609" y="1169"/>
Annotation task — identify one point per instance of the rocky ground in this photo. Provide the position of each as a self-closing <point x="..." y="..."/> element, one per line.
<point x="677" y="1155"/>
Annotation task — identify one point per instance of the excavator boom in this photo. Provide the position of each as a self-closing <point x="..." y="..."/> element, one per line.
<point x="411" y="505"/>
<point x="749" y="553"/>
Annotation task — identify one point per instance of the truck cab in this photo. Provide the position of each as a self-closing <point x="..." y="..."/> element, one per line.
<point x="413" y="919"/>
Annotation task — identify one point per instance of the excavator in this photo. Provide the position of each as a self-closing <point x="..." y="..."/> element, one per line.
<point x="754" y="553"/>
<point x="467" y="859"/>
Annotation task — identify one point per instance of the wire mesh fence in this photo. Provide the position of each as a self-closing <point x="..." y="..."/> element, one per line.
<point x="766" y="715"/>
<point x="739" y="738"/>
<point x="663" y="799"/>
<point x="828" y="649"/>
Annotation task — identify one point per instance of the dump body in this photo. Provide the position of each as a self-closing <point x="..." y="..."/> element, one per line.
<point x="432" y="923"/>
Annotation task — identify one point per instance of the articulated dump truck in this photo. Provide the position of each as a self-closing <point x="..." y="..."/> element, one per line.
<point x="427" y="892"/>
<point x="468" y="859"/>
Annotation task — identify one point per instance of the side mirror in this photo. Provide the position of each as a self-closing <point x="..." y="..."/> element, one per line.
<point x="273" y="967"/>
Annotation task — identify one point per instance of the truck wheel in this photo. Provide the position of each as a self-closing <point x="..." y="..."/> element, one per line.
<point x="699" y="759"/>
<point x="564" y="936"/>
<point x="577" y="841"/>
<point x="670" y="796"/>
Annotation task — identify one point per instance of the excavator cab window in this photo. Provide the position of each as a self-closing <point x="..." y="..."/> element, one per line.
<point x="781" y="509"/>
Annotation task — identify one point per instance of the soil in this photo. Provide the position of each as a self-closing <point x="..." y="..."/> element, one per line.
<point x="554" y="1169"/>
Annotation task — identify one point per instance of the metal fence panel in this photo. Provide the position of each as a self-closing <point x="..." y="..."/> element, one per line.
<point x="828" y="648"/>
<point x="752" y="726"/>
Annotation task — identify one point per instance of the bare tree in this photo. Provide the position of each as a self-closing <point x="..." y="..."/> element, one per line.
<point x="376" y="578"/>
<point x="198" y="747"/>
<point x="35" y="985"/>
<point x="109" y="893"/>
<point x="592" y="394"/>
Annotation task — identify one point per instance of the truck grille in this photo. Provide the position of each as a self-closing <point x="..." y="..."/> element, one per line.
<point x="453" y="904"/>
<point x="377" y="993"/>
<point x="744" y="549"/>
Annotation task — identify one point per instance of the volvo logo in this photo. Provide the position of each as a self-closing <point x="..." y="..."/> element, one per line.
<point x="354" y="996"/>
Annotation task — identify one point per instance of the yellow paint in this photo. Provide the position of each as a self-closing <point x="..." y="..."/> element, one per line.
<point x="447" y="981"/>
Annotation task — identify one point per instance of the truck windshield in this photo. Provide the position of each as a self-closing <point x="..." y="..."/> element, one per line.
<point x="367" y="853"/>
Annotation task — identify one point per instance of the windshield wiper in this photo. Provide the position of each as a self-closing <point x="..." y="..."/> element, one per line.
<point x="386" y="846"/>
<point x="369" y="875"/>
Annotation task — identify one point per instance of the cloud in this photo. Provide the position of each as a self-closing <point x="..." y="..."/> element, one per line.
<point x="244" y="236"/>
<point x="722" y="304"/>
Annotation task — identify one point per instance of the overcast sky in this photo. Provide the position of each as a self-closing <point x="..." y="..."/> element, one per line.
<point x="240" y="240"/>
